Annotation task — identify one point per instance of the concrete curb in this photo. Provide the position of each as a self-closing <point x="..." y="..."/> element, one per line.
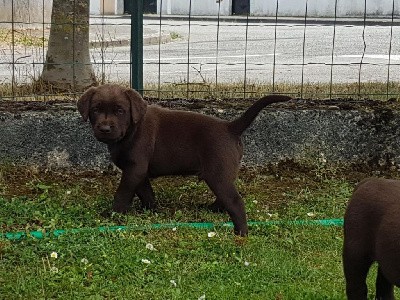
<point x="387" y="21"/>
<point x="149" y="39"/>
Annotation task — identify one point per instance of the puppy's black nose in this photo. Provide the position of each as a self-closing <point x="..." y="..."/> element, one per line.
<point x="105" y="128"/>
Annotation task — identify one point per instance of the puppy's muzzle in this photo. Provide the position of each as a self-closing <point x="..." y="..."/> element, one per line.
<point x="107" y="133"/>
<point x="105" y="128"/>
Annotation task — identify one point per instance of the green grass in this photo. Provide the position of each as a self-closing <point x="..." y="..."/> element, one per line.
<point x="274" y="262"/>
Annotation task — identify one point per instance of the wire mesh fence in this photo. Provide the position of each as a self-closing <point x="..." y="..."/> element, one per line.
<point x="218" y="56"/>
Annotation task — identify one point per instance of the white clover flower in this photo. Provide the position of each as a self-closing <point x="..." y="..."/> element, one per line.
<point x="173" y="282"/>
<point x="53" y="254"/>
<point x="274" y="215"/>
<point x="84" y="261"/>
<point x="322" y="158"/>
<point x="150" y="247"/>
<point x="202" y="297"/>
<point x="255" y="201"/>
<point x="146" y="261"/>
<point x="246" y="263"/>
<point x="311" y="214"/>
<point x="211" y="234"/>
<point x="174" y="229"/>
<point x="68" y="192"/>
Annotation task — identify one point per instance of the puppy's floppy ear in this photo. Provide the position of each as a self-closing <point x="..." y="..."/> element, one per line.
<point x="84" y="103"/>
<point x="138" y="105"/>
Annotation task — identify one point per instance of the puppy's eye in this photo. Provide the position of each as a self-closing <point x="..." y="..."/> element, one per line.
<point x="120" y="111"/>
<point x="95" y="110"/>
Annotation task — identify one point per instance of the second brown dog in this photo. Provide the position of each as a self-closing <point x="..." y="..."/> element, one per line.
<point x="147" y="141"/>
<point x="372" y="233"/>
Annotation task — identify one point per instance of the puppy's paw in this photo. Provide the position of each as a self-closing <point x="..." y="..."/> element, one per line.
<point x="106" y="214"/>
<point x="216" y="207"/>
<point x="121" y="209"/>
<point x="148" y="207"/>
<point x="240" y="240"/>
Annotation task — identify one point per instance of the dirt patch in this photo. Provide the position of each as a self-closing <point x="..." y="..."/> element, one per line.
<point x="197" y="104"/>
<point x="26" y="180"/>
<point x="23" y="180"/>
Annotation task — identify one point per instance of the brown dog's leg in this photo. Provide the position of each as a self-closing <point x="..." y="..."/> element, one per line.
<point x="216" y="206"/>
<point x="355" y="270"/>
<point x="126" y="191"/>
<point x="384" y="289"/>
<point x="146" y="195"/>
<point x="230" y="199"/>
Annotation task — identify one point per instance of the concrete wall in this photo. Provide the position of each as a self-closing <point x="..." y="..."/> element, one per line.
<point x="31" y="11"/>
<point x="106" y="7"/>
<point x="26" y="11"/>
<point x="323" y="8"/>
<point x="367" y="137"/>
<point x="315" y="8"/>
<point x="95" y="7"/>
<point x="198" y="7"/>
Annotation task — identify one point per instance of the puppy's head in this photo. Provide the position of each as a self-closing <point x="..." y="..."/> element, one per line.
<point x="112" y="111"/>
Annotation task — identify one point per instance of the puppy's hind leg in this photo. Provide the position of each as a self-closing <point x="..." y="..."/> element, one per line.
<point x="355" y="270"/>
<point x="146" y="194"/>
<point x="230" y="199"/>
<point x="384" y="289"/>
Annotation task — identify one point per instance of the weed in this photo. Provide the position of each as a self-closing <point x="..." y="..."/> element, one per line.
<point x="23" y="37"/>
<point x="221" y="91"/>
<point x="175" y="35"/>
<point x="205" y="89"/>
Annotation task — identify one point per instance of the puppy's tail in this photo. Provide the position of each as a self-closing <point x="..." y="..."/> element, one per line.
<point x="240" y="124"/>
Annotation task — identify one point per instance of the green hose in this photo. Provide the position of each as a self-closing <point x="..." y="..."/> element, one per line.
<point x="58" y="232"/>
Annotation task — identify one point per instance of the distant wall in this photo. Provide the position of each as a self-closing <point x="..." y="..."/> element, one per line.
<point x="106" y="7"/>
<point x="297" y="8"/>
<point x="323" y="8"/>
<point x="203" y="7"/>
<point x="369" y="137"/>
<point x="26" y="11"/>
<point x="32" y="11"/>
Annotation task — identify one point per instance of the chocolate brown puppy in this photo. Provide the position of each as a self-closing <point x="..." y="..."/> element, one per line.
<point x="147" y="141"/>
<point x="372" y="233"/>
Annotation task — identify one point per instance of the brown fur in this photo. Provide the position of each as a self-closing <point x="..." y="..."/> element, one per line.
<point x="372" y="233"/>
<point x="147" y="141"/>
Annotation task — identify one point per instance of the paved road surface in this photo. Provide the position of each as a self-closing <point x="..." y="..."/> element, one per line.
<point x="196" y="55"/>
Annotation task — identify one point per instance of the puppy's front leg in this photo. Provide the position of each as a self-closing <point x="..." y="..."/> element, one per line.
<point x="217" y="206"/>
<point x="126" y="190"/>
<point x="146" y="195"/>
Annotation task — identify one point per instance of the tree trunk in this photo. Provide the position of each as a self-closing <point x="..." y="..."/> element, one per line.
<point x="68" y="65"/>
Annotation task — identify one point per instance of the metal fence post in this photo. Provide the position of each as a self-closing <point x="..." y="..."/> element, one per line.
<point x="137" y="45"/>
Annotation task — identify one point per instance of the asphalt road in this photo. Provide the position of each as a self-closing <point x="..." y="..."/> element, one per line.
<point x="293" y="60"/>
<point x="206" y="51"/>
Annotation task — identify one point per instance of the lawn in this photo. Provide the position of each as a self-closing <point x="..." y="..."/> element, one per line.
<point x="276" y="261"/>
